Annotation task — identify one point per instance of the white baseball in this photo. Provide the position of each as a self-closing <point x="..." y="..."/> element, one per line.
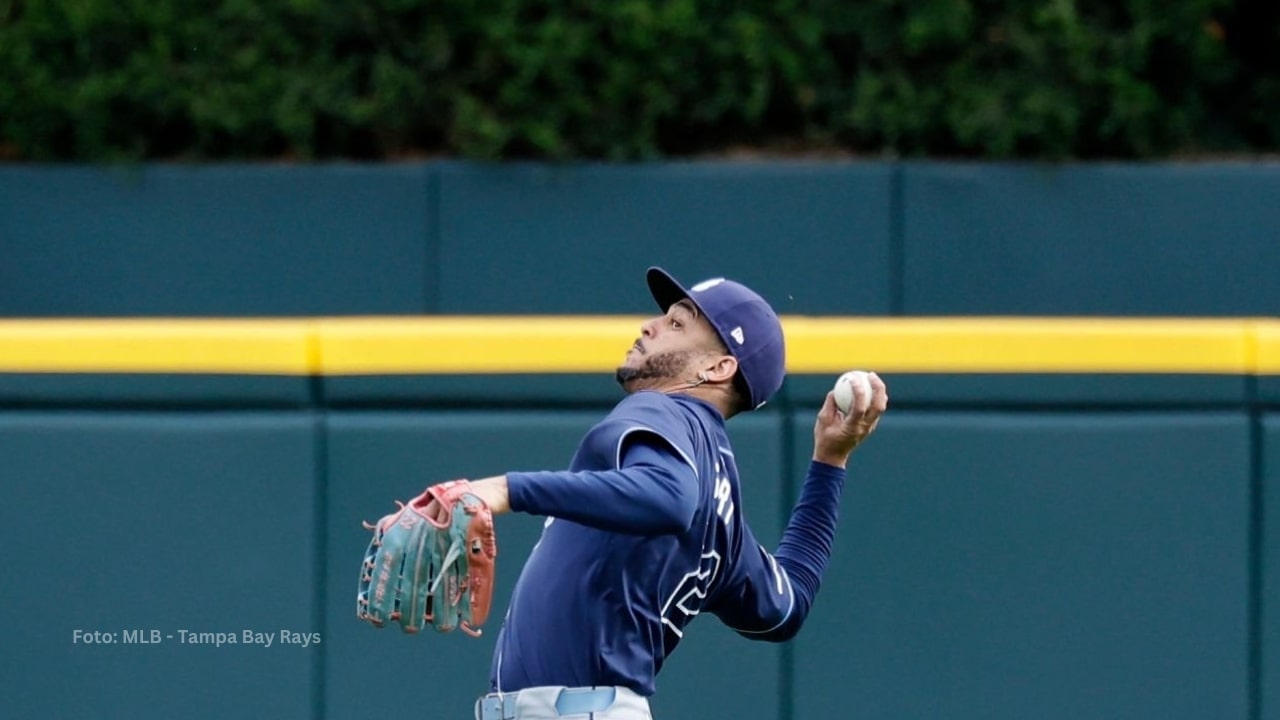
<point x="843" y="390"/>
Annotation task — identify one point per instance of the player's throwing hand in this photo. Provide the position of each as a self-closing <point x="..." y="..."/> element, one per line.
<point x="835" y="435"/>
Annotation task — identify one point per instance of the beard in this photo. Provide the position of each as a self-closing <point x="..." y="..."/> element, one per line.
<point x="660" y="367"/>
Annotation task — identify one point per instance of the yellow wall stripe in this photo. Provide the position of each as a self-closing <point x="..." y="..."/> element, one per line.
<point x="475" y="344"/>
<point x="1267" y="333"/>
<point x="443" y="345"/>
<point x="268" y="347"/>
<point x="1020" y="345"/>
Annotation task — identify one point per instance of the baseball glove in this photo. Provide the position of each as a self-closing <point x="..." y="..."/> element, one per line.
<point x="419" y="571"/>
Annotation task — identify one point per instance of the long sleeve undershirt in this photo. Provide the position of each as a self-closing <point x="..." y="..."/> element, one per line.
<point x="807" y="541"/>
<point x="654" y="492"/>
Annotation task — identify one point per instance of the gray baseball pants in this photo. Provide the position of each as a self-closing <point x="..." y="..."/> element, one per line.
<point x="562" y="703"/>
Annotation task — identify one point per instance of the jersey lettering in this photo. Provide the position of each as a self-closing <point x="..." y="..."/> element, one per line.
<point x="689" y="595"/>
<point x="723" y="491"/>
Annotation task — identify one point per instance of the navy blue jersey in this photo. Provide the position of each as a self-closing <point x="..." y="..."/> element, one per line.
<point x="644" y="532"/>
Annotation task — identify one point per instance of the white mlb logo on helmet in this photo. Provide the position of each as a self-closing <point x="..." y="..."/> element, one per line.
<point x="706" y="284"/>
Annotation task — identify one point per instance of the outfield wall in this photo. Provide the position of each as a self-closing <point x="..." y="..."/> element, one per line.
<point x="1063" y="516"/>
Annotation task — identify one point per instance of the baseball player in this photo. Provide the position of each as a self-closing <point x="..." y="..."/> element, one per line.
<point x="642" y="530"/>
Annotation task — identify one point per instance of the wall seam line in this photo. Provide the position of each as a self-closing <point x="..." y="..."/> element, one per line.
<point x="431" y="292"/>
<point x="1256" y="551"/>
<point x="897" y="239"/>
<point x="320" y="537"/>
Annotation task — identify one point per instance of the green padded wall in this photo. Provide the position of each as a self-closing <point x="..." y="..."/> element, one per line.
<point x="990" y="564"/>
<point x="1037" y="565"/>
<point x="214" y="240"/>
<point x="1037" y="390"/>
<point x="843" y="238"/>
<point x="525" y="390"/>
<point x="1090" y="239"/>
<point x="161" y="522"/>
<point x="810" y="237"/>
<point x="153" y="390"/>
<point x="1269" y="390"/>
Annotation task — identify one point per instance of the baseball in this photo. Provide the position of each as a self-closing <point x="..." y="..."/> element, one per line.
<point x="844" y="388"/>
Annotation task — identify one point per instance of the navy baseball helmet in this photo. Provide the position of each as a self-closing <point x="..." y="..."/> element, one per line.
<point x="743" y="320"/>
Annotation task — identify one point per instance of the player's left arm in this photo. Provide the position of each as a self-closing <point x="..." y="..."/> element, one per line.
<point x="653" y="491"/>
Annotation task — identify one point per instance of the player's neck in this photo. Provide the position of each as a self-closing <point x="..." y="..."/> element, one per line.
<point x="717" y="395"/>
<point x="713" y="395"/>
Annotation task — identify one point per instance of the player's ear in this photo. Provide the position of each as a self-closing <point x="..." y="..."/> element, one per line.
<point x="720" y="368"/>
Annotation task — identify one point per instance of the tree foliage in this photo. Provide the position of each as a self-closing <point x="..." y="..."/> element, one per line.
<point x="94" y="80"/>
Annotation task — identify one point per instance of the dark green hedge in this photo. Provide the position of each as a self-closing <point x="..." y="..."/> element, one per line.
<point x="621" y="79"/>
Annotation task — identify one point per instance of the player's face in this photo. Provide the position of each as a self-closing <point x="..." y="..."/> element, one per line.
<point x="669" y="349"/>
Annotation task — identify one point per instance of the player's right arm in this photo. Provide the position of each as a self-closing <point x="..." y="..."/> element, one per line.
<point x="769" y="595"/>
